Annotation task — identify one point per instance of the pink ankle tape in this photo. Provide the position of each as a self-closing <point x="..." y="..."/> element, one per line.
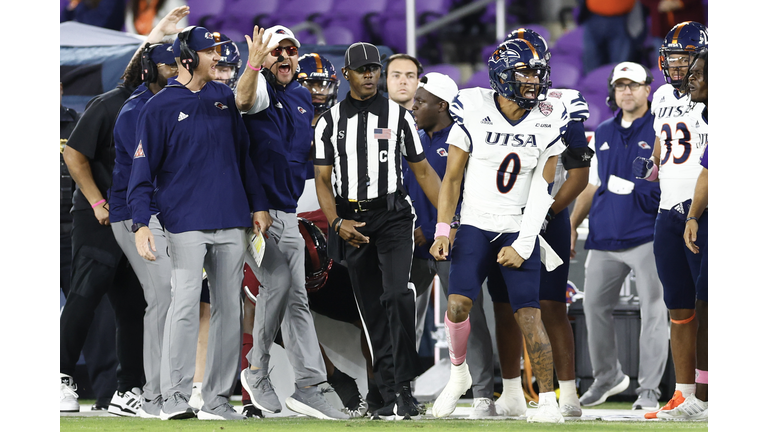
<point x="702" y="377"/>
<point x="457" y="335"/>
<point x="654" y="173"/>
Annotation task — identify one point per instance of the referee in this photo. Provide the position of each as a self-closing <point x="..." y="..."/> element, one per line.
<point x="362" y="140"/>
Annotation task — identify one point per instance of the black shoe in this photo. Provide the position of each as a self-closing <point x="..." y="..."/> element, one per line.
<point x="374" y="399"/>
<point x="250" y="411"/>
<point x="98" y="407"/>
<point x="406" y="406"/>
<point x="384" y="413"/>
<point x="345" y="386"/>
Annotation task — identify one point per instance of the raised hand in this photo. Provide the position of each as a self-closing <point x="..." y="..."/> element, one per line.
<point x="258" y="48"/>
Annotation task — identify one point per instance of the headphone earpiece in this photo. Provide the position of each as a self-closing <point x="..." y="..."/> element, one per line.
<point x="189" y="58"/>
<point x="148" y="67"/>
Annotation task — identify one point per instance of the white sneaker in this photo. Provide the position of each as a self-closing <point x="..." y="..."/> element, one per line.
<point x="511" y="404"/>
<point x="570" y="408"/>
<point x="482" y="407"/>
<point x="196" y="400"/>
<point x="547" y="410"/>
<point x="67" y="396"/>
<point x="458" y="384"/>
<point x="691" y="409"/>
<point x="126" y="404"/>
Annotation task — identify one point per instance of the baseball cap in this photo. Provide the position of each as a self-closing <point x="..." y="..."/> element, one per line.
<point x="361" y="54"/>
<point x="199" y="39"/>
<point x="278" y="34"/>
<point x="631" y="71"/>
<point x="163" y="54"/>
<point x="440" y="85"/>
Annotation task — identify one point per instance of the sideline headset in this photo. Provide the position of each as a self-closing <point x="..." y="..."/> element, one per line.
<point x="189" y="58"/>
<point x="148" y="67"/>
<point x="611" y="99"/>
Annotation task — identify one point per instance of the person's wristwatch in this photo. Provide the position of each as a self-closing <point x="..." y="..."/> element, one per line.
<point x="135" y="227"/>
<point x="455" y="222"/>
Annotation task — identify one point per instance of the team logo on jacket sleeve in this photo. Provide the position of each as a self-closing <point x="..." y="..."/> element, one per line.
<point x="139" y="151"/>
<point x="545" y="108"/>
<point x="644" y="145"/>
<point x="220" y="106"/>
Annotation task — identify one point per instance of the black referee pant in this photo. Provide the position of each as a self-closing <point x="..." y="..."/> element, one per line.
<point x="99" y="267"/>
<point x="380" y="271"/>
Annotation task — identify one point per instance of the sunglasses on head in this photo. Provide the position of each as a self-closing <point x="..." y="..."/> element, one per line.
<point x="367" y="68"/>
<point x="290" y="51"/>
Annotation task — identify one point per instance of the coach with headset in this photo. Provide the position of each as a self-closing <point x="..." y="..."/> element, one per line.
<point x="193" y="150"/>
<point x="622" y="213"/>
<point x="157" y="67"/>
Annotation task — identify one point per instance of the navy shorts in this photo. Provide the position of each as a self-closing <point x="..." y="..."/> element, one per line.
<point x="553" y="285"/>
<point x="677" y="266"/>
<point x="474" y="255"/>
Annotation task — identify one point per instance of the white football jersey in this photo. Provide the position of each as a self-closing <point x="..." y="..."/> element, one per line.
<point x="674" y="121"/>
<point x="578" y="110"/>
<point x="502" y="155"/>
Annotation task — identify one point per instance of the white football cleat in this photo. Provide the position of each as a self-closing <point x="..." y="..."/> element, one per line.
<point x="691" y="409"/>
<point x="547" y="410"/>
<point x="458" y="384"/>
<point x="511" y="404"/>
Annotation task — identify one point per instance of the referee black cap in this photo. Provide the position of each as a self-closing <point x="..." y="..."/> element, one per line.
<point x="361" y="54"/>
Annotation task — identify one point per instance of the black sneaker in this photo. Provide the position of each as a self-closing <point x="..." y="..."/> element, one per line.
<point x="97" y="407"/>
<point x="384" y="413"/>
<point x="346" y="388"/>
<point x="250" y="411"/>
<point x="406" y="407"/>
<point x="374" y="400"/>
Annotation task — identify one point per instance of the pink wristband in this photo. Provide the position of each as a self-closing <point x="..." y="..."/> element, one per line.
<point x="442" y="229"/>
<point x="97" y="203"/>
<point x="702" y="376"/>
<point x="253" y="68"/>
<point x="654" y="173"/>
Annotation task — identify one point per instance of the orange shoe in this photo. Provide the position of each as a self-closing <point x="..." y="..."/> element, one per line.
<point x="676" y="400"/>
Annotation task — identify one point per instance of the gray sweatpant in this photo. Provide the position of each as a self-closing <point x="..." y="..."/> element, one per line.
<point x="282" y="303"/>
<point x="221" y="253"/>
<point x="155" y="279"/>
<point x="479" y="345"/>
<point x="605" y="272"/>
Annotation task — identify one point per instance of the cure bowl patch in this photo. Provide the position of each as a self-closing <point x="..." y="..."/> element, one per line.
<point x="545" y="108"/>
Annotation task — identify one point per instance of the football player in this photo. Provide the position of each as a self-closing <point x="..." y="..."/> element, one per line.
<point x="574" y="164"/>
<point x="317" y="74"/>
<point x="675" y="164"/>
<point x="514" y="137"/>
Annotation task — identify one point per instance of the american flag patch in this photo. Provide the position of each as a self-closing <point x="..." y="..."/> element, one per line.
<point x="382" y="134"/>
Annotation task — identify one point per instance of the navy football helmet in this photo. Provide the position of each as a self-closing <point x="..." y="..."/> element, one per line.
<point x="684" y="40"/>
<point x="230" y="56"/>
<point x="318" y="75"/>
<point x="534" y="38"/>
<point x="513" y="59"/>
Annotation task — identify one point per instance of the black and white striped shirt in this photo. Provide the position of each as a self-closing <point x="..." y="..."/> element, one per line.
<point x="366" y="143"/>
